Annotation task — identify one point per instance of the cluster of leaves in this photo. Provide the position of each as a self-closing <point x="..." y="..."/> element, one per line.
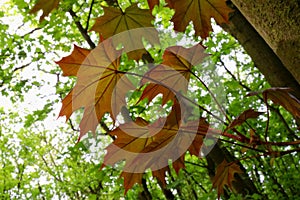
<point x="98" y="72"/>
<point x="102" y="87"/>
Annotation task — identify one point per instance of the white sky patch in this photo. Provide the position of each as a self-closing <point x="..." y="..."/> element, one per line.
<point x="37" y="97"/>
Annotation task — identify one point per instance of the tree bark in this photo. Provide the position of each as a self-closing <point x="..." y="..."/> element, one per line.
<point x="278" y="23"/>
<point x="262" y="55"/>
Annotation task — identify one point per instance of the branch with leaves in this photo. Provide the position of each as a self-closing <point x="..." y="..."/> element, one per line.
<point x="102" y="87"/>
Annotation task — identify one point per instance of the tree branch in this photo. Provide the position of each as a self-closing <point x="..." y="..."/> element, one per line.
<point x="89" y="16"/>
<point x="30" y="32"/>
<point x="81" y="29"/>
<point x="72" y="126"/>
<point x="21" y="67"/>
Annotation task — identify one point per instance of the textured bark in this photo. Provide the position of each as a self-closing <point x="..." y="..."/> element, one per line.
<point x="278" y="22"/>
<point x="262" y="55"/>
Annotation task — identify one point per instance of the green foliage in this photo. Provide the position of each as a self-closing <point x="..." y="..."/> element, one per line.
<point x="40" y="157"/>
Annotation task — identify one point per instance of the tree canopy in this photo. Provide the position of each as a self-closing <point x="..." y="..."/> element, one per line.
<point x="144" y="100"/>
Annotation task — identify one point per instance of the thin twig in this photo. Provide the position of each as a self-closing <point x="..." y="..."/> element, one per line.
<point x="21" y="67"/>
<point x="241" y="145"/>
<point x="248" y="89"/>
<point x="89" y="16"/>
<point x="81" y="29"/>
<point x="233" y="76"/>
<point x="212" y="95"/>
<point x="72" y="126"/>
<point x="267" y="123"/>
<point x="192" y="177"/>
<point x="30" y="32"/>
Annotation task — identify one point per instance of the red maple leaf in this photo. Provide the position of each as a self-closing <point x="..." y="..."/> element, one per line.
<point x="100" y="87"/>
<point x="150" y="146"/>
<point x="225" y="176"/>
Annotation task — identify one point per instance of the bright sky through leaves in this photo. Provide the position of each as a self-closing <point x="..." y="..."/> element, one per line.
<point x="154" y="133"/>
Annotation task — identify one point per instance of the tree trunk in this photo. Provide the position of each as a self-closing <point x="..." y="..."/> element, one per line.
<point x="270" y="65"/>
<point x="270" y="33"/>
<point x="278" y="23"/>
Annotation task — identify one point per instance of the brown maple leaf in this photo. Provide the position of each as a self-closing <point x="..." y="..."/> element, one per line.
<point x="172" y="76"/>
<point x="46" y="5"/>
<point x="203" y="128"/>
<point x="134" y="24"/>
<point x="151" y="146"/>
<point x="225" y="176"/>
<point x="247" y="114"/>
<point x="100" y="87"/>
<point x="200" y="13"/>
<point x="283" y="97"/>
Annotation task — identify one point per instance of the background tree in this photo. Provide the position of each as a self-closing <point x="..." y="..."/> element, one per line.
<point x="40" y="162"/>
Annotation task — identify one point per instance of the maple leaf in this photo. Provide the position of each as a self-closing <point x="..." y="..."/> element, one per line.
<point x="153" y="89"/>
<point x="100" y="87"/>
<point x="133" y="22"/>
<point x="283" y="97"/>
<point x="203" y="128"/>
<point x="161" y="174"/>
<point x="145" y="146"/>
<point x="135" y="138"/>
<point x="46" y="5"/>
<point x="199" y="12"/>
<point x="247" y="114"/>
<point x="173" y="74"/>
<point x="225" y="176"/>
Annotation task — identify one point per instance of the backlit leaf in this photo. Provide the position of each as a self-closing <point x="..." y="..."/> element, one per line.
<point x="152" y="3"/>
<point x="100" y="87"/>
<point x="200" y="13"/>
<point x="130" y="179"/>
<point x="173" y="74"/>
<point x="203" y="128"/>
<point x="247" y="114"/>
<point x="46" y="5"/>
<point x="225" y="176"/>
<point x="151" y="146"/>
<point x="134" y="21"/>
<point x="283" y="97"/>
